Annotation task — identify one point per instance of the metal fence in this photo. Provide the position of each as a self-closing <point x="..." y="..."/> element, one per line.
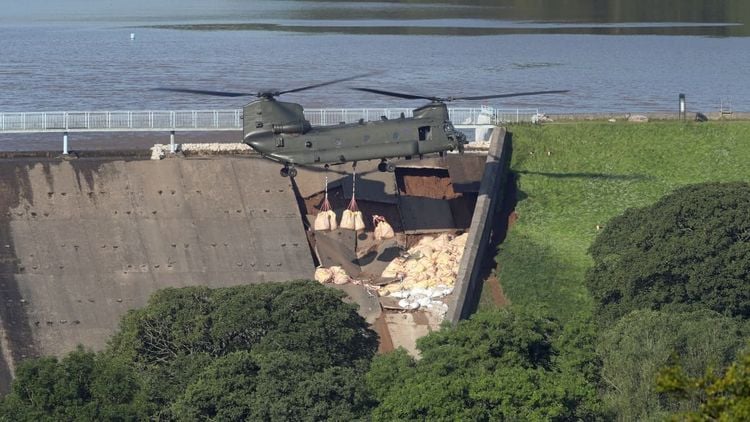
<point x="209" y="120"/>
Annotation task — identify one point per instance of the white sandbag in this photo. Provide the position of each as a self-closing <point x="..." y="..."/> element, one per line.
<point x="341" y="278"/>
<point x="339" y="275"/>
<point x="359" y="222"/>
<point x="322" y="222"/>
<point x="347" y="220"/>
<point x="386" y="231"/>
<point x="323" y="275"/>
<point x="378" y="232"/>
<point x="408" y="304"/>
<point x="332" y="219"/>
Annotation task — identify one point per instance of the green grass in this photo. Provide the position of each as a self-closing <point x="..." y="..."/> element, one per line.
<point x="594" y="171"/>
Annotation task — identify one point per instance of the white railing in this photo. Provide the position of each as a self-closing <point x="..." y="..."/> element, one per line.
<point x="209" y="120"/>
<point x="475" y="121"/>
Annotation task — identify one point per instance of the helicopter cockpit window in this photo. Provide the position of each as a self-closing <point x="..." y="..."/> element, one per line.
<point x="424" y="133"/>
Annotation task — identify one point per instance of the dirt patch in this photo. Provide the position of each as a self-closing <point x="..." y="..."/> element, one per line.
<point x="381" y="327"/>
<point x="496" y="291"/>
<point x="429" y="183"/>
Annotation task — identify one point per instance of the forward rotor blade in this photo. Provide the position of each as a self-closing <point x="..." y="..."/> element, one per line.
<point x="515" y="94"/>
<point x="395" y="94"/>
<point x="304" y="88"/>
<point x="204" y="92"/>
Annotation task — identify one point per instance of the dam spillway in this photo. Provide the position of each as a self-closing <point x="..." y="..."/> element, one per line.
<point x="83" y="241"/>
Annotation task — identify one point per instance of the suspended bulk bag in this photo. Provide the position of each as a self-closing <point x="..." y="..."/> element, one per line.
<point x="359" y="222"/>
<point x="332" y="219"/>
<point x="322" y="222"/>
<point x="326" y="218"/>
<point x="347" y="220"/>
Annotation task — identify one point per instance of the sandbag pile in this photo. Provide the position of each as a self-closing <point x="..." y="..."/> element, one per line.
<point x="427" y="273"/>
<point x="159" y="151"/>
<point x="335" y="275"/>
<point x="383" y="230"/>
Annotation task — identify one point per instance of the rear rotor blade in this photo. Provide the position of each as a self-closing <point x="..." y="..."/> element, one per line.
<point x="204" y="92"/>
<point x="395" y="94"/>
<point x="304" y="88"/>
<point x="515" y="94"/>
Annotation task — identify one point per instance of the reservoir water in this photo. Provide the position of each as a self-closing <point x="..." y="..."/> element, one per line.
<point x="633" y="57"/>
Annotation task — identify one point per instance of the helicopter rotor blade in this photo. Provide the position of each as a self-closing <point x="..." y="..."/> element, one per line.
<point x="305" y="88"/>
<point x="204" y="92"/>
<point x="395" y="94"/>
<point x="515" y="94"/>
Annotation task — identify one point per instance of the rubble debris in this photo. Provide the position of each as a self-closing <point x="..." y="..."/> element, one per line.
<point x="427" y="273"/>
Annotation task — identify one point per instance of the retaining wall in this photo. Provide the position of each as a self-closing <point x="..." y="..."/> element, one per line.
<point x="471" y="268"/>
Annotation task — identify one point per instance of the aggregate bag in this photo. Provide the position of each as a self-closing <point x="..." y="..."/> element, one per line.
<point x="339" y="275"/>
<point x="322" y="222"/>
<point x="359" y="222"/>
<point x="332" y="219"/>
<point x="383" y="230"/>
<point x="347" y="220"/>
<point x="323" y="275"/>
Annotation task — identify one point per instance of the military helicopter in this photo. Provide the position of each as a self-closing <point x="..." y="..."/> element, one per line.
<point x="279" y="131"/>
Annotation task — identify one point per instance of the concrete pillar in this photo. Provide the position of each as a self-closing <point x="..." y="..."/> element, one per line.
<point x="65" y="143"/>
<point x="171" y="142"/>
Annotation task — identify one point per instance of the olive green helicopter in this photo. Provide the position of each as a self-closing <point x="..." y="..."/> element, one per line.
<point x="278" y="130"/>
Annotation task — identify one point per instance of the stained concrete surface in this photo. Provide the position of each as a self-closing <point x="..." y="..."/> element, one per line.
<point x="83" y="241"/>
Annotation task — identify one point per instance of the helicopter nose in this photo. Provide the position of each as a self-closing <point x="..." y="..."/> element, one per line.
<point x="254" y="144"/>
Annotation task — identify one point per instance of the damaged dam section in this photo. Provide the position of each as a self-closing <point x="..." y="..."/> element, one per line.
<point x="82" y="241"/>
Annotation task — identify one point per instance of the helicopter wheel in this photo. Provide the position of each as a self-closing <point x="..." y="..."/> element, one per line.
<point x="284" y="172"/>
<point x="383" y="167"/>
<point x="292" y="172"/>
<point x="390" y="167"/>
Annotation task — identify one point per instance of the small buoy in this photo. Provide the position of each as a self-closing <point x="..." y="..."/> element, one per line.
<point x="132" y="36"/>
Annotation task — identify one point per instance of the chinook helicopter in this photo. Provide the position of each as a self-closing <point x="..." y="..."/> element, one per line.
<point x="279" y="131"/>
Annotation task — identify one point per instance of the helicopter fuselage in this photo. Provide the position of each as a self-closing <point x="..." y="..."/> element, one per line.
<point x="279" y="131"/>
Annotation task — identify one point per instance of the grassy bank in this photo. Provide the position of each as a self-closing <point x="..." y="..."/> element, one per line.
<point x="574" y="176"/>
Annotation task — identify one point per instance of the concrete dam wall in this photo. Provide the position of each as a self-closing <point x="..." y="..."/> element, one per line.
<point x="83" y="241"/>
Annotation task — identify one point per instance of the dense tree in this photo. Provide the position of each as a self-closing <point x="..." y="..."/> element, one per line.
<point x="501" y="365"/>
<point x="280" y="351"/>
<point x="689" y="250"/>
<point x="722" y="397"/>
<point x="641" y="343"/>
<point x="83" y="386"/>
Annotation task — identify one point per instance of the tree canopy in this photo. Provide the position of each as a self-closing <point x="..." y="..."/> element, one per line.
<point x="642" y="342"/>
<point x="276" y="351"/>
<point x="501" y="365"/>
<point x="689" y="250"/>
<point x="722" y="397"/>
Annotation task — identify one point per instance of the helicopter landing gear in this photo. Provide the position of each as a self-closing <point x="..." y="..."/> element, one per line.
<point x="288" y="171"/>
<point x="386" y="166"/>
